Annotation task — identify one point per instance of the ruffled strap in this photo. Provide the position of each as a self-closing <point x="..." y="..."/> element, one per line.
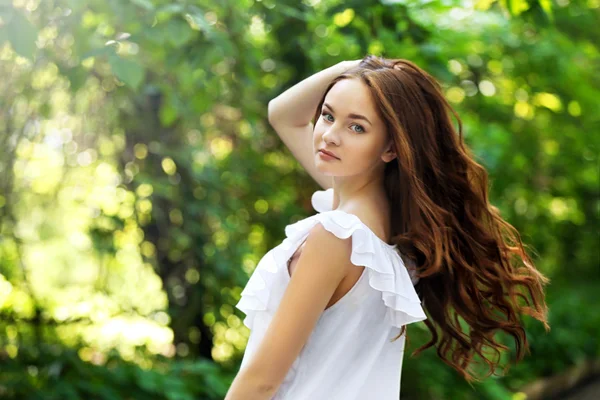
<point x="387" y="272"/>
<point x="386" y="269"/>
<point x="322" y="200"/>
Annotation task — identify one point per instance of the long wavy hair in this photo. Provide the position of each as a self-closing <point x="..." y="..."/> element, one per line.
<point x="472" y="265"/>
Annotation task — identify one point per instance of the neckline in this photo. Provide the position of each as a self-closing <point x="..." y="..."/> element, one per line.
<point x="389" y="246"/>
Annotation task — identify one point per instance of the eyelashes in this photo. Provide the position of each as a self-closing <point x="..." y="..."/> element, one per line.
<point x="325" y="113"/>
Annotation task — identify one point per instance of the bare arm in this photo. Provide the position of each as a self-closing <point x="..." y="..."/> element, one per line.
<point x="296" y="106"/>
<point x="291" y="112"/>
<point x="248" y="386"/>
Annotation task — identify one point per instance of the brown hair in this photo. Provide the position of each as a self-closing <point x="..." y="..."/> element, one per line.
<point x="472" y="265"/>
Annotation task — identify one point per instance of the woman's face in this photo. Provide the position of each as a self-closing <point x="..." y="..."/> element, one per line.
<point x="350" y="128"/>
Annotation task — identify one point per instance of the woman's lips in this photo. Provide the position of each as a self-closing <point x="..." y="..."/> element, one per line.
<point x="329" y="152"/>
<point x="327" y="156"/>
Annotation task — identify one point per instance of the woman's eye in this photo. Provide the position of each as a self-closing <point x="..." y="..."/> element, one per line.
<point x="362" y="129"/>
<point x="326" y="114"/>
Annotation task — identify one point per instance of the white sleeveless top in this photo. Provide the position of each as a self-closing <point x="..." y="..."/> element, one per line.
<point x="349" y="355"/>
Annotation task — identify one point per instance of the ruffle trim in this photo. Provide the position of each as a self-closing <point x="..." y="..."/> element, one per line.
<point x="387" y="272"/>
<point x="322" y="200"/>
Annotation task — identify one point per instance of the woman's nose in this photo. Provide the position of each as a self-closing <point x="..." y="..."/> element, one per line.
<point x="330" y="135"/>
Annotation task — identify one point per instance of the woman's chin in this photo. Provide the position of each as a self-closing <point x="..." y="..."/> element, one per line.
<point x="323" y="166"/>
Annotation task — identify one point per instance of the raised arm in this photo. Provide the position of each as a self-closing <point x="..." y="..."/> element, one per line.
<point x="291" y="112"/>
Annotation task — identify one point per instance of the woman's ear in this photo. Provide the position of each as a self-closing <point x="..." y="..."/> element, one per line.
<point x="389" y="154"/>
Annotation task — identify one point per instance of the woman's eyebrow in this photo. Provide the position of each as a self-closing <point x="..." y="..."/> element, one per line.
<point x="351" y="115"/>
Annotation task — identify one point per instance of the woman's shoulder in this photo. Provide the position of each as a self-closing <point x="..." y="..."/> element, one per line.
<point x="374" y="215"/>
<point x="376" y="220"/>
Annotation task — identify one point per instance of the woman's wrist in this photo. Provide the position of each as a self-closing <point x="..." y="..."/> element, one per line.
<point x="343" y="66"/>
<point x="347" y="64"/>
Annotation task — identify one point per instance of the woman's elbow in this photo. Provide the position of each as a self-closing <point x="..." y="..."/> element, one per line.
<point x="244" y="387"/>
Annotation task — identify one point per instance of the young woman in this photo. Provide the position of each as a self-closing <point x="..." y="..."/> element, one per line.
<point x="404" y="227"/>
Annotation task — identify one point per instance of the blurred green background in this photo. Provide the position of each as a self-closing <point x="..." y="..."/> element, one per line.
<point x="140" y="181"/>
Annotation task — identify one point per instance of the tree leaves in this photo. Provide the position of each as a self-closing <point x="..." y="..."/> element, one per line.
<point x="178" y="32"/>
<point x="21" y="33"/>
<point x="128" y="71"/>
<point x="146" y="4"/>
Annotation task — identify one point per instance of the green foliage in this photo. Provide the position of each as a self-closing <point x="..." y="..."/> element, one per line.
<point x="55" y="373"/>
<point x="20" y="32"/>
<point x="128" y="71"/>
